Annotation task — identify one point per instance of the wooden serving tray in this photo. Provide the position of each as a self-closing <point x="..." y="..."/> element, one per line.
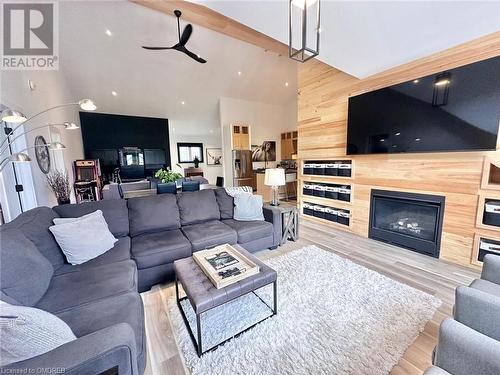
<point x="249" y="268"/>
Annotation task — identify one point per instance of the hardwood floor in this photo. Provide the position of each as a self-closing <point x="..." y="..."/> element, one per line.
<point x="436" y="277"/>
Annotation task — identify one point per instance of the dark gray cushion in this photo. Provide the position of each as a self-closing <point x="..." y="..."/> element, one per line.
<point x="77" y="288"/>
<point x="120" y="252"/>
<point x="115" y="212"/>
<point x="225" y="202"/>
<point x="25" y="273"/>
<point x="198" y="206"/>
<point x="250" y="230"/>
<point x="152" y="214"/>
<point x="153" y="249"/>
<point x="35" y="225"/>
<point x="122" y="308"/>
<point x="209" y="234"/>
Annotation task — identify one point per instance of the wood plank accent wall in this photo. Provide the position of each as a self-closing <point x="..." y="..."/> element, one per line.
<point x="322" y="125"/>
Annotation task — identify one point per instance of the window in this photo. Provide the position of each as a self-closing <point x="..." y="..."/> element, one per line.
<point x="186" y="152"/>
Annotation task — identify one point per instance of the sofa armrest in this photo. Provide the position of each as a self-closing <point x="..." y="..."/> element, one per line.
<point x="91" y="354"/>
<point x="273" y="215"/>
<point x="478" y="310"/>
<point x="464" y="351"/>
<point x="491" y="268"/>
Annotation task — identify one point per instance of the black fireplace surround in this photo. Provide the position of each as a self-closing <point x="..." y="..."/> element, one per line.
<point x="413" y="221"/>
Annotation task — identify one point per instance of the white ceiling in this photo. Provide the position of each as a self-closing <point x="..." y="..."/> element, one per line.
<point x="366" y="37"/>
<point x="154" y="83"/>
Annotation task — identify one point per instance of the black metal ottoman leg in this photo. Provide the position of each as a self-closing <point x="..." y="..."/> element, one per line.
<point x="177" y="290"/>
<point x="198" y="330"/>
<point x="275" y="292"/>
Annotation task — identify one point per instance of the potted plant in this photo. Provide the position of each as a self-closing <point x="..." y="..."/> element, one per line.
<point x="58" y="181"/>
<point x="167" y="180"/>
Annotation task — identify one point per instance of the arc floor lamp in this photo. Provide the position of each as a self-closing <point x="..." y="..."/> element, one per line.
<point x="10" y="116"/>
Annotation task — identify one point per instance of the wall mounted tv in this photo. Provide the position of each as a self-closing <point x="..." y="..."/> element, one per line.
<point x="454" y="110"/>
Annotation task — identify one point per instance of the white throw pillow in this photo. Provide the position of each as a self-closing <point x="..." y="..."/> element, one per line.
<point x="248" y="207"/>
<point x="65" y="220"/>
<point x="84" y="238"/>
<point x="27" y="332"/>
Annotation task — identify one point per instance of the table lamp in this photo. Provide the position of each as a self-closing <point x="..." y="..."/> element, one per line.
<point x="275" y="177"/>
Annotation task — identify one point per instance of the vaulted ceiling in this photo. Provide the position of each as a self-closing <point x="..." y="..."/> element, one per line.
<point x="366" y="37"/>
<point x="156" y="83"/>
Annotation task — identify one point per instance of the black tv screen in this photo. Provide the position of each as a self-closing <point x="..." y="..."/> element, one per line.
<point x="455" y="110"/>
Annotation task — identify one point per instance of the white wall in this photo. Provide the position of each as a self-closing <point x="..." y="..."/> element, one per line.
<point x="51" y="90"/>
<point x="210" y="138"/>
<point x="266" y="121"/>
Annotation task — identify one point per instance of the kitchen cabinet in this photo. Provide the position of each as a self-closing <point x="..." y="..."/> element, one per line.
<point x="240" y="136"/>
<point x="289" y="145"/>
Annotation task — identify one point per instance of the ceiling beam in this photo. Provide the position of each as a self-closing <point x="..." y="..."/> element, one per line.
<point x="210" y="19"/>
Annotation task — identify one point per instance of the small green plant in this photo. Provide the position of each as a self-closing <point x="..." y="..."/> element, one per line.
<point x="166" y="175"/>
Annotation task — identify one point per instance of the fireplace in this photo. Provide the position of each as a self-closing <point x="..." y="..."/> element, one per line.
<point x="413" y="221"/>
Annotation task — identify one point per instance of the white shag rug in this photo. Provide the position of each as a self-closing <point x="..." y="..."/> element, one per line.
<point x="334" y="317"/>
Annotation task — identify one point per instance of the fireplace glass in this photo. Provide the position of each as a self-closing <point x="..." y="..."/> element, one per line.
<point x="407" y="218"/>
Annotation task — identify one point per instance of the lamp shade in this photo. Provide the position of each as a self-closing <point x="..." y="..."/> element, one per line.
<point x="56" y="146"/>
<point x="87" y="105"/>
<point x="274" y="177"/>
<point x="12" y="116"/>
<point x="71" y="126"/>
<point x="19" y="157"/>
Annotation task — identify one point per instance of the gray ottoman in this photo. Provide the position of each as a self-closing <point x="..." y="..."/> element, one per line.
<point x="203" y="296"/>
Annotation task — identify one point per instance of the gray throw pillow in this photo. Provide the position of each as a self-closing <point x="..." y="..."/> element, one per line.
<point x="27" y="332"/>
<point x="82" y="239"/>
<point x="248" y="207"/>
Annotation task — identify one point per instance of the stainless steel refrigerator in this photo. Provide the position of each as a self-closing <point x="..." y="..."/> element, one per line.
<point x="242" y="168"/>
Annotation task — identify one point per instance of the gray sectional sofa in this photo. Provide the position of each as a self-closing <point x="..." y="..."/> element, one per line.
<point x="99" y="299"/>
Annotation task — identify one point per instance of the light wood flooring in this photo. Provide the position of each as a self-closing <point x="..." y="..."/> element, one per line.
<point x="430" y="275"/>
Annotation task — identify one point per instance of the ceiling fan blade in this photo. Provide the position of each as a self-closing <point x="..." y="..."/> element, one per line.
<point x="157" y="48"/>
<point x="186" y="34"/>
<point x="191" y="54"/>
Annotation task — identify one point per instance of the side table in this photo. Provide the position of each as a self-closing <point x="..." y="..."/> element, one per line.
<point x="289" y="220"/>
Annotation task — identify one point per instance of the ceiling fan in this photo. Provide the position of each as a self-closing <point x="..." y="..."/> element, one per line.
<point x="183" y="39"/>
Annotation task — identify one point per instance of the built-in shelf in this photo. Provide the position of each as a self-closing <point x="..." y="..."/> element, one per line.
<point x="487" y="240"/>
<point x="327" y="202"/>
<point x="484" y="219"/>
<point x="331" y="224"/>
<point x="331" y="193"/>
<point x="328" y="213"/>
<point x="338" y="168"/>
<point x="490" y="179"/>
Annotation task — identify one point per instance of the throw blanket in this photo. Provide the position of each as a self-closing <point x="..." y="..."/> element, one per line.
<point x="232" y="191"/>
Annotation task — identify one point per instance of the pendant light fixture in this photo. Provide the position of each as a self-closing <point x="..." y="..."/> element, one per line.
<point x="304" y="29"/>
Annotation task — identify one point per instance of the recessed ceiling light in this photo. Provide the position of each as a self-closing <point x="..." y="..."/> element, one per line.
<point x="417" y="139"/>
<point x="416" y="81"/>
<point x="239" y="73"/>
<point x="114" y="93"/>
<point x="397" y="134"/>
<point x="286" y="84"/>
<point x="394" y="146"/>
<point x="108" y="32"/>
<point x="183" y="102"/>
<point x="382" y="140"/>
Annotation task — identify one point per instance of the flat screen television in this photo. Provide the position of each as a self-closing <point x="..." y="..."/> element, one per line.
<point x="454" y="110"/>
